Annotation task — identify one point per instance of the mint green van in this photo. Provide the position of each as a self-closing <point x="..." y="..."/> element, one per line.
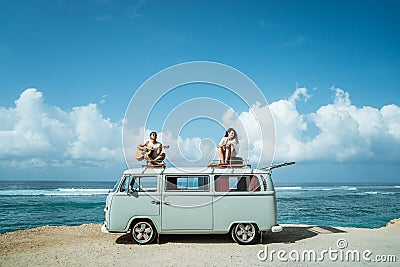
<point x="148" y="202"/>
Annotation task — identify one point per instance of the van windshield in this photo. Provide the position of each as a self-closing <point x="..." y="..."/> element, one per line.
<point x="115" y="186"/>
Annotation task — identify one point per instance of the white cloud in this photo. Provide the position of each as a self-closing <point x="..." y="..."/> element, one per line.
<point x="334" y="133"/>
<point x="391" y="117"/>
<point x="93" y="136"/>
<point x="345" y="132"/>
<point x="337" y="132"/>
<point x="298" y="93"/>
<point x="34" y="133"/>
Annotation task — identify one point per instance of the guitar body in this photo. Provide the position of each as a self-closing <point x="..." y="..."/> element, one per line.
<point x="141" y="153"/>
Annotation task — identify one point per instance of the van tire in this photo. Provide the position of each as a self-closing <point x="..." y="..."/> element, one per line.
<point x="143" y="232"/>
<point x="245" y="233"/>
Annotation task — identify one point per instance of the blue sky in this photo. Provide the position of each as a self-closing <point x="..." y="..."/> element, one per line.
<point x="86" y="59"/>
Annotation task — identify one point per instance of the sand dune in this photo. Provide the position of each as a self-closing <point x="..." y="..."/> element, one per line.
<point x="86" y="245"/>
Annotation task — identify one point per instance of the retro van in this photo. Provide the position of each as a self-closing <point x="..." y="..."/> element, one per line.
<point x="148" y="202"/>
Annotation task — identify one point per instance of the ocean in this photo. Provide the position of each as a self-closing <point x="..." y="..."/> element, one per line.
<point x="30" y="204"/>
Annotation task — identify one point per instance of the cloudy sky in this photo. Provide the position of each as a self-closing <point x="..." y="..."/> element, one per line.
<point x="328" y="72"/>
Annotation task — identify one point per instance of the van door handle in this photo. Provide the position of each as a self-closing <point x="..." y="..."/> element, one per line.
<point x="167" y="203"/>
<point x="155" y="202"/>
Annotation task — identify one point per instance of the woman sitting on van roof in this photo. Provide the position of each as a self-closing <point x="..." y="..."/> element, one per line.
<point x="228" y="146"/>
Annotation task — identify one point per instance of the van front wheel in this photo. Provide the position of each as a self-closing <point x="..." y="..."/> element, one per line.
<point x="143" y="232"/>
<point x="244" y="233"/>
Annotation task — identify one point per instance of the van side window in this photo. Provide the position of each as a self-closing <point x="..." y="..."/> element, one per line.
<point x="187" y="183"/>
<point x="234" y="183"/>
<point x="144" y="183"/>
<point x="254" y="184"/>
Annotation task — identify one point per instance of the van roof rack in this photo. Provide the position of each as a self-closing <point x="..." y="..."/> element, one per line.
<point x="216" y="164"/>
<point x="152" y="165"/>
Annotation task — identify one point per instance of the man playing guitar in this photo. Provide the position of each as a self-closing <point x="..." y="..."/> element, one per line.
<point x="151" y="150"/>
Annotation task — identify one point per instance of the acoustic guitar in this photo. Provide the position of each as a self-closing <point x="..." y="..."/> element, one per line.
<point x="140" y="153"/>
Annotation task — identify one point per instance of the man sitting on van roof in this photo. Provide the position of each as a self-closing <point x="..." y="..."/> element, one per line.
<point x="151" y="150"/>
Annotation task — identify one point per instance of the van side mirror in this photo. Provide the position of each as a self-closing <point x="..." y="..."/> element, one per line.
<point x="133" y="190"/>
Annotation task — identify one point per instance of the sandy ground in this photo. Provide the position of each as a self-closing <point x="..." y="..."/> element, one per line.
<point x="86" y="245"/>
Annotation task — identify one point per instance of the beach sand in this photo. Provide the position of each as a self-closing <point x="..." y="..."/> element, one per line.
<point x="86" y="245"/>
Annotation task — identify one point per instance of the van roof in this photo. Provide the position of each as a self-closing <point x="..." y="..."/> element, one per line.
<point x="193" y="170"/>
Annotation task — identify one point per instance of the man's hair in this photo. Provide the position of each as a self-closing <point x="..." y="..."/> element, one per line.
<point x="153" y="133"/>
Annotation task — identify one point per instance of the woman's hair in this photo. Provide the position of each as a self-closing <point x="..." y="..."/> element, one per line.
<point x="234" y="137"/>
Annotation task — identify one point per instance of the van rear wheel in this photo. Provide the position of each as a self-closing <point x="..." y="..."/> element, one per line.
<point x="244" y="233"/>
<point x="143" y="232"/>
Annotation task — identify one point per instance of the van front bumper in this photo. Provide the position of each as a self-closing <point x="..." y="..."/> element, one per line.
<point x="104" y="229"/>
<point x="276" y="229"/>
